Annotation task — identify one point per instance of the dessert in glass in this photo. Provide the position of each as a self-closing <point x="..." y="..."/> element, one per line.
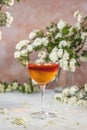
<point x="42" y="73"/>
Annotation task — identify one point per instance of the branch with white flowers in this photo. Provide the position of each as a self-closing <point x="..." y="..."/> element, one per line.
<point x="5" y="17"/>
<point x="24" y="88"/>
<point x="59" y="42"/>
<point x="73" y="96"/>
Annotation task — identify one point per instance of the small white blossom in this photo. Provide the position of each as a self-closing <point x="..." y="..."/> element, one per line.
<point x="58" y="35"/>
<point x="81" y="94"/>
<point x="40" y="60"/>
<point x="60" y="53"/>
<point x="66" y="55"/>
<point x="73" y="90"/>
<point x="37" y="42"/>
<point x="61" y="24"/>
<point x="64" y="64"/>
<point x="78" y="16"/>
<point x="73" y="100"/>
<point x="76" y="13"/>
<point x="72" y="65"/>
<point x="17" y="54"/>
<point x="62" y="43"/>
<point x="23" y="52"/>
<point x="11" y="2"/>
<point x="30" y="48"/>
<point x="9" y="19"/>
<point x="66" y="92"/>
<point x="4" y="111"/>
<point x="33" y="34"/>
<point x="45" y="41"/>
<point x="19" y="120"/>
<point x="22" y="44"/>
<point x="60" y="96"/>
<point x="82" y="103"/>
<point x="53" y="55"/>
<point x="8" y="2"/>
<point x="42" y="54"/>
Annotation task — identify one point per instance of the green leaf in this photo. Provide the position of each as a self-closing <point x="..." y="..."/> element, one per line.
<point x="65" y="30"/>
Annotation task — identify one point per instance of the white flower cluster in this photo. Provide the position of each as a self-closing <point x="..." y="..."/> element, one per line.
<point x="57" y="44"/>
<point x="5" y="19"/>
<point x="25" y="88"/>
<point x="20" y="120"/>
<point x="3" y="111"/>
<point x="7" y="2"/>
<point x="9" y="19"/>
<point x="73" y="96"/>
<point x="24" y="47"/>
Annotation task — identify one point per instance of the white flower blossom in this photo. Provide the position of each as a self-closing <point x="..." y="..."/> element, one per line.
<point x="81" y="94"/>
<point x="33" y="34"/>
<point x="76" y="13"/>
<point x="73" y="90"/>
<point x="60" y="53"/>
<point x="53" y="55"/>
<point x="58" y="35"/>
<point x="9" y="19"/>
<point x="37" y="42"/>
<point x="61" y="24"/>
<point x="60" y="96"/>
<point x="23" y="52"/>
<point x="66" y="55"/>
<point x="8" y="2"/>
<point x="63" y="43"/>
<point x="42" y="54"/>
<point x="72" y="65"/>
<point x="78" y="16"/>
<point x="22" y="43"/>
<point x="17" y="54"/>
<point x="45" y="41"/>
<point x="4" y="111"/>
<point x="40" y="60"/>
<point x="73" y="100"/>
<point x="82" y="103"/>
<point x="30" y="48"/>
<point x="64" y="64"/>
<point x="66" y="92"/>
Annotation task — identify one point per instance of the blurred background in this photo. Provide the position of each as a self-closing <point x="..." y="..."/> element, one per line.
<point x="29" y="15"/>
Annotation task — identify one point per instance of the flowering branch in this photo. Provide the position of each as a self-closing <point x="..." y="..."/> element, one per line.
<point x="5" y="17"/>
<point x="59" y="42"/>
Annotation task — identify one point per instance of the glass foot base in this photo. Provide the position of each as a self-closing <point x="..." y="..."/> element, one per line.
<point x="43" y="115"/>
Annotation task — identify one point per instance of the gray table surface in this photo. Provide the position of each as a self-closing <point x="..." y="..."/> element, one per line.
<point x="68" y="117"/>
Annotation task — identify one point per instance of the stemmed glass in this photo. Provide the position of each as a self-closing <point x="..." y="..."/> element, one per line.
<point x="42" y="73"/>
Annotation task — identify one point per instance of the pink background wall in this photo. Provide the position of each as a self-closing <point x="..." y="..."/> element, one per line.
<point x="29" y="15"/>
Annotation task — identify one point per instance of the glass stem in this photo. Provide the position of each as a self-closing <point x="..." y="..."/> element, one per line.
<point x="42" y="87"/>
